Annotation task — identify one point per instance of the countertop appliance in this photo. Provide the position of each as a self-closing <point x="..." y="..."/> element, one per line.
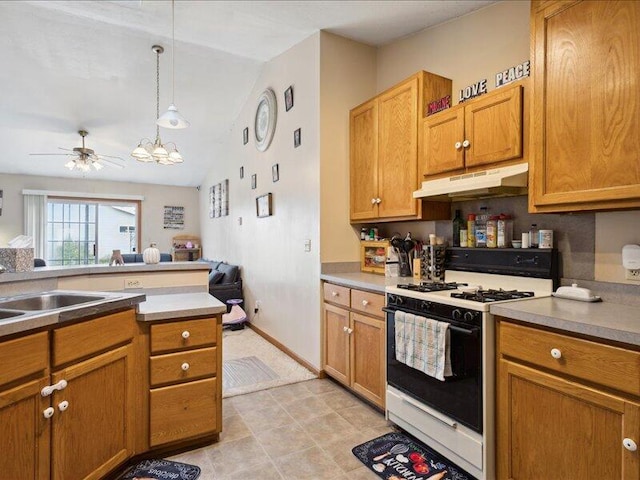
<point x="456" y="417"/>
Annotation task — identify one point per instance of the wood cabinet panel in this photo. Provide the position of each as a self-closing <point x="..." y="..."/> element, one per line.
<point x="440" y="133"/>
<point x="363" y="122"/>
<point x="367" y="302"/>
<point x="183" y="411"/>
<point x="168" y="368"/>
<point x="595" y="362"/>
<point x="336" y="343"/>
<point x="586" y="59"/>
<point x="186" y="334"/>
<point x="367" y="357"/>
<point x="86" y="338"/>
<point x="336" y="294"/>
<point x="31" y="350"/>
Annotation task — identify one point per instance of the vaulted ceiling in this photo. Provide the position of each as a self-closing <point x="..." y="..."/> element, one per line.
<point x="70" y="65"/>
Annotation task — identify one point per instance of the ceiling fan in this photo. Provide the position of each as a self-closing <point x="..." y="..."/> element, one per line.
<point x="84" y="158"/>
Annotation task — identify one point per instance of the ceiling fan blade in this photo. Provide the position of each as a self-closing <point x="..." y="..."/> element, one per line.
<point x="109" y="156"/>
<point x="55" y="154"/>
<point x="68" y="149"/>
<point x="110" y="163"/>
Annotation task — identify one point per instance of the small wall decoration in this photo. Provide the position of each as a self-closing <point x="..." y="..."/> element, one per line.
<point x="474" y="90"/>
<point x="265" y="120"/>
<point x="296" y="138"/>
<point x="275" y="173"/>
<point x="1" y="193"/>
<point x="512" y="74"/>
<point x="288" y="98"/>
<point x="245" y="136"/>
<point x="254" y="181"/>
<point x="211" y="202"/>
<point x="219" y="200"/>
<point x="264" y="205"/>
<point x="439" y="105"/>
<point x="173" y="218"/>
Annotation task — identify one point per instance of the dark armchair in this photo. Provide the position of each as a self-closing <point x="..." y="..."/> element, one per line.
<point x="225" y="282"/>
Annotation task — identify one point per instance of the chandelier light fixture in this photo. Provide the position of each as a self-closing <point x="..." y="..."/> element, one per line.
<point x="172" y="117"/>
<point x="147" y="151"/>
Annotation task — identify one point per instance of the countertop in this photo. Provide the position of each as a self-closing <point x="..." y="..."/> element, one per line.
<point x="179" y="305"/>
<point x="365" y="281"/>
<point x="604" y="320"/>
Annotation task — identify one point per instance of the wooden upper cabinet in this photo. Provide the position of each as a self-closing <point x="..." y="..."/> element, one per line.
<point x="385" y="141"/>
<point x="481" y="132"/>
<point x="586" y="65"/>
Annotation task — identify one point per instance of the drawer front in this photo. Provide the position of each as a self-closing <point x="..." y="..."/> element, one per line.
<point x="183" y="366"/>
<point x="336" y="294"/>
<point x="367" y="302"/>
<point x="23" y="356"/>
<point x="183" y="335"/>
<point x="183" y="411"/>
<point x="87" y="338"/>
<point x="603" y="364"/>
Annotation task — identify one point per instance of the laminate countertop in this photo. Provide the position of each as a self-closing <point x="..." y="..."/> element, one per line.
<point x="179" y="305"/>
<point x="601" y="320"/>
<point x="365" y="281"/>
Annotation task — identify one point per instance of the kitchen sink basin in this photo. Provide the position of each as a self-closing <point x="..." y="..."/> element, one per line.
<point x="7" y="314"/>
<point x="48" y="301"/>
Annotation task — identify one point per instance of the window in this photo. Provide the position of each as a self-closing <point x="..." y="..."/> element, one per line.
<point x="82" y="232"/>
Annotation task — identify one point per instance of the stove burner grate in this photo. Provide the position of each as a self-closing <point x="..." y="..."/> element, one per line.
<point x="431" y="286"/>
<point x="486" y="296"/>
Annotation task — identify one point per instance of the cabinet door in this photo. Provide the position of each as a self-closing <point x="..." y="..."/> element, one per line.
<point x="336" y="343"/>
<point x="367" y="357"/>
<point x="493" y="127"/>
<point x="363" y="125"/>
<point x="441" y="133"/>
<point x="25" y="433"/>
<point x="586" y="118"/>
<point x="398" y="150"/>
<point x="93" y="434"/>
<point x="553" y="428"/>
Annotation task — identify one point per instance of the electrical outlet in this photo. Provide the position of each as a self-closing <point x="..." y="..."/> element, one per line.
<point x="132" y="283"/>
<point x="257" y="307"/>
<point x="632" y="275"/>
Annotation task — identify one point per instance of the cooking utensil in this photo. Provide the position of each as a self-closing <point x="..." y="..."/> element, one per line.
<point x="395" y="450"/>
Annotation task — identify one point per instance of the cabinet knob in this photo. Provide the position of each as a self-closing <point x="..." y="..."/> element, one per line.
<point x="349" y="331"/>
<point x="345" y="329"/>
<point x="49" y="389"/>
<point x="334" y="294"/>
<point x="378" y="200"/>
<point x="629" y="444"/>
<point x="373" y="201"/>
<point x="48" y="412"/>
<point x="466" y="143"/>
<point x="62" y="406"/>
<point x="365" y="303"/>
<point x="556" y="353"/>
<point x="185" y="366"/>
<point x="186" y="334"/>
<point x="458" y="145"/>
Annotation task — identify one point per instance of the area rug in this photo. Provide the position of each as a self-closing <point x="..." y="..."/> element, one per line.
<point x="250" y="364"/>
<point x="397" y="456"/>
<point x="162" y="470"/>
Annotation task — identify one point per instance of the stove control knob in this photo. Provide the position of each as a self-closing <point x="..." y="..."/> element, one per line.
<point x="391" y="299"/>
<point x="424" y="305"/>
<point x="399" y="300"/>
<point x="469" y="316"/>
<point x="456" y="314"/>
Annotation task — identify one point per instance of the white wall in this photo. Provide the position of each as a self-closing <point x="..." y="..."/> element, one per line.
<point x="152" y="209"/>
<point x="275" y="268"/>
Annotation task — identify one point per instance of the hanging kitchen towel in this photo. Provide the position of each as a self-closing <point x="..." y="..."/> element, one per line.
<point x="399" y="320"/>
<point x="427" y="346"/>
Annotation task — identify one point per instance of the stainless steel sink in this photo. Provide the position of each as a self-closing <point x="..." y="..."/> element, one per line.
<point x="48" y="301"/>
<point x="8" y="314"/>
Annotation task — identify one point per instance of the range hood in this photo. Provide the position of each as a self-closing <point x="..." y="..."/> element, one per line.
<point x="498" y="182"/>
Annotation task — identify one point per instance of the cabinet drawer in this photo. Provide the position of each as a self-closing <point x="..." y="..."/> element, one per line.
<point x="183" y="411"/>
<point x="23" y="357"/>
<point x="183" y="335"/>
<point x="603" y="364"/>
<point x="367" y="302"/>
<point x="336" y="294"/>
<point x="183" y="366"/>
<point x="87" y="338"/>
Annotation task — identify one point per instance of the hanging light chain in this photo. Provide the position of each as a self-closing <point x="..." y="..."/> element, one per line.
<point x="158" y="95"/>
<point x="173" y="49"/>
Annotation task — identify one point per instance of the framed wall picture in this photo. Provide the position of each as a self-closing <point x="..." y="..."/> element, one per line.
<point x="297" y="140"/>
<point x="264" y="205"/>
<point x="288" y="98"/>
<point x="245" y="136"/>
<point x="275" y="173"/>
<point x="254" y="181"/>
<point x="241" y="172"/>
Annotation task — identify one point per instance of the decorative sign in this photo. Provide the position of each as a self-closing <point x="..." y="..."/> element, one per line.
<point x="173" y="218"/>
<point x="439" y="105"/>
<point x="472" y="91"/>
<point x="512" y="74"/>
<point x="219" y="200"/>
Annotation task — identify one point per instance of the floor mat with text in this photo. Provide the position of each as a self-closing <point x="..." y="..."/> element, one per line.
<point x="162" y="470"/>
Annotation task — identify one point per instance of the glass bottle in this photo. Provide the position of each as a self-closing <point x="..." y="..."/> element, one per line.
<point x="457" y="226"/>
<point x="492" y="232"/>
<point x="471" y="230"/>
<point x="505" y="231"/>
<point x="533" y="236"/>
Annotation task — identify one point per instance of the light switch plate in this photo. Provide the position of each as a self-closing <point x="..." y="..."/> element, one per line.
<point x="632" y="275"/>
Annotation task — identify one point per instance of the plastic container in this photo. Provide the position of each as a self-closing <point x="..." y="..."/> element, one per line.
<point x="534" y="236"/>
<point x="546" y="239"/>
<point x="492" y="232"/>
<point x="458" y="224"/>
<point x="471" y="230"/>
<point x="463" y="237"/>
<point x="505" y="231"/>
<point x="481" y="227"/>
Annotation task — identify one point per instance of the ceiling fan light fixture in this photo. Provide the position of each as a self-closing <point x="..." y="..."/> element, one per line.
<point x="175" y="157"/>
<point x="141" y="153"/>
<point x="172" y="118"/>
<point x="97" y="165"/>
<point x="70" y="164"/>
<point x="159" y="152"/>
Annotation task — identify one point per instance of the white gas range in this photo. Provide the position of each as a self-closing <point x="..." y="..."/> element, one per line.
<point x="456" y="417"/>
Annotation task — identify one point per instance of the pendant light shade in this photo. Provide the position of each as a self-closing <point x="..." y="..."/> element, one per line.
<point x="172" y="118"/>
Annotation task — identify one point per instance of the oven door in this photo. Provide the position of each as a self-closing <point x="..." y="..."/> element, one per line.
<point x="459" y="396"/>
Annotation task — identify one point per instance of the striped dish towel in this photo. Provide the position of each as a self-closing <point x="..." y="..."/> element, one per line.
<point x="423" y="343"/>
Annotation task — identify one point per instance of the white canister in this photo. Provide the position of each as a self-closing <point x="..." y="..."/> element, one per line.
<point x="525" y="240"/>
<point x="546" y="239"/>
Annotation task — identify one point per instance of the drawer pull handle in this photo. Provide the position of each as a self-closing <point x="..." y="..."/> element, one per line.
<point x="186" y="334"/>
<point x="49" y="389"/>
<point x="48" y="412"/>
<point x="556" y="353"/>
<point x="62" y="406"/>
<point x="185" y="366"/>
<point x="334" y="294"/>
<point x="629" y="444"/>
<point x="365" y="303"/>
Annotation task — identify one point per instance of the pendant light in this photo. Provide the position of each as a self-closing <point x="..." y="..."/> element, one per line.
<point x="148" y="151"/>
<point x="172" y="117"/>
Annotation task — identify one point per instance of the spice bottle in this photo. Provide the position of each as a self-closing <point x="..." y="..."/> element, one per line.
<point x="533" y="236"/>
<point x="457" y="226"/>
<point x="505" y="231"/>
<point x="481" y="228"/>
<point x="492" y="232"/>
<point x="471" y="230"/>
<point x="363" y="233"/>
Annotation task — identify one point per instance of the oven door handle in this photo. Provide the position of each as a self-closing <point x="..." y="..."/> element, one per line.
<point x="466" y="331"/>
<point x="431" y="413"/>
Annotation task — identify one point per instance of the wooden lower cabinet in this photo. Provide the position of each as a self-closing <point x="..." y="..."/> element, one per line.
<point x="354" y="342"/>
<point x="553" y="426"/>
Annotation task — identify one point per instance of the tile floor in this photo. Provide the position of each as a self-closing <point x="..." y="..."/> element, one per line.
<point x="301" y="431"/>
